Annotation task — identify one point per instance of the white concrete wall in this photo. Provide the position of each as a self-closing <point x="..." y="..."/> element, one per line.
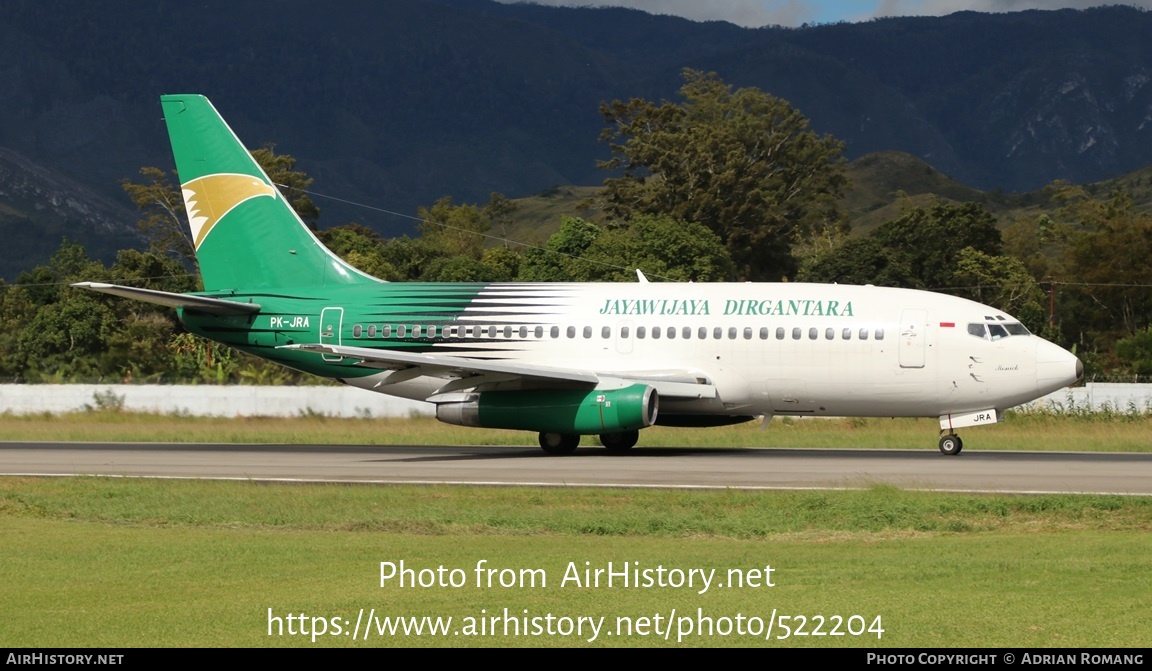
<point x="244" y="401"/>
<point x="1097" y="396"/>
<point x="209" y="400"/>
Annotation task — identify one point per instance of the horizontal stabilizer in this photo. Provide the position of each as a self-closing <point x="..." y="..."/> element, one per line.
<point x="212" y="306"/>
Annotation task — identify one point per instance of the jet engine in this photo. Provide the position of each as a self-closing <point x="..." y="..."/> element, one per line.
<point x="554" y="410"/>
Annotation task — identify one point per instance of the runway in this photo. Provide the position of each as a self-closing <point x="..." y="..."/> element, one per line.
<point x="748" y="468"/>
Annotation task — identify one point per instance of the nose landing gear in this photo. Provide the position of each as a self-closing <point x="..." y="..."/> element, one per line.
<point x="951" y="444"/>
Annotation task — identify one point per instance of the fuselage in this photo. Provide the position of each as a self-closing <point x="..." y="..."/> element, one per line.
<point x="567" y="360"/>
<point x="768" y="349"/>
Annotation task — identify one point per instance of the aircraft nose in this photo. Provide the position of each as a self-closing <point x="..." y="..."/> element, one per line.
<point x="1056" y="367"/>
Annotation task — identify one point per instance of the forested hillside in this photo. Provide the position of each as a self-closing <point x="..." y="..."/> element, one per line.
<point x="722" y="184"/>
<point x="399" y="102"/>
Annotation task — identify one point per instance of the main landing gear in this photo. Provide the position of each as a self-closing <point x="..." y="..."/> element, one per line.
<point x="951" y="444"/>
<point x="619" y="443"/>
<point x="559" y="443"/>
<point x="566" y="443"/>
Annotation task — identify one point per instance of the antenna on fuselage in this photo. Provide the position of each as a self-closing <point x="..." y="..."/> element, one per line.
<point x="640" y="276"/>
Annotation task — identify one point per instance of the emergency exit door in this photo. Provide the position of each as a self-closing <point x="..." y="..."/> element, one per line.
<point x="913" y="338"/>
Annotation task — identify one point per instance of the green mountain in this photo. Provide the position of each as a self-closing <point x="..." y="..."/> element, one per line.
<point x="40" y="207"/>
<point x="882" y="187"/>
<point x="394" y="103"/>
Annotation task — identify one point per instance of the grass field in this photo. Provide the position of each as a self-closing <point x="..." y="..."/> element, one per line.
<point x="101" y="562"/>
<point x="110" y="562"/>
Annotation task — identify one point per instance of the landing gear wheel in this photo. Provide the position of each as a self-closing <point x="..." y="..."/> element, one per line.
<point x="619" y="443"/>
<point x="559" y="443"/>
<point x="951" y="445"/>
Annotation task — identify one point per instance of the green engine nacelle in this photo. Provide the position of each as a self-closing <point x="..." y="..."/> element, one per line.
<point x="555" y="410"/>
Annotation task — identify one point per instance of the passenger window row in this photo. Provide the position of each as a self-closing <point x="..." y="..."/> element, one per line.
<point x="523" y="332"/>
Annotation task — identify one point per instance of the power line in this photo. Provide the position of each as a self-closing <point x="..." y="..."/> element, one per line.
<point x="465" y="230"/>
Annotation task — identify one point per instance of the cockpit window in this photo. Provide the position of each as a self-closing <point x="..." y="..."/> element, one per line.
<point x="996" y="331"/>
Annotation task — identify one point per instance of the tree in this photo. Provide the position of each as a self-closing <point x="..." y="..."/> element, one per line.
<point x="293" y="183"/>
<point x="499" y="211"/>
<point x="16" y="310"/>
<point x="460" y="269"/>
<point x="1003" y="282"/>
<point x="164" y="221"/>
<point x="919" y="250"/>
<point x="454" y="230"/>
<point x="662" y="247"/>
<point x="861" y="261"/>
<point x="743" y="163"/>
<point x="451" y="246"/>
<point x="1038" y="240"/>
<point x="462" y="230"/>
<point x="71" y="334"/>
<point x="1135" y="351"/>
<point x="557" y="261"/>
<point x="360" y="246"/>
<point x="409" y="256"/>
<point x="503" y="262"/>
<point x="931" y="240"/>
<point x="1106" y="265"/>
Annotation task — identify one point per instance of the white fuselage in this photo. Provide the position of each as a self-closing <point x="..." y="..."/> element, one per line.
<point x="787" y="348"/>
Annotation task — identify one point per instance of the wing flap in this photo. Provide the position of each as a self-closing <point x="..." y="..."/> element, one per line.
<point x="671" y="384"/>
<point x="439" y="365"/>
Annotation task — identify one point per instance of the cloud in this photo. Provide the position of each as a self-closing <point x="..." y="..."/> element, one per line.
<point x="942" y="7"/>
<point x="756" y="13"/>
<point x="749" y="13"/>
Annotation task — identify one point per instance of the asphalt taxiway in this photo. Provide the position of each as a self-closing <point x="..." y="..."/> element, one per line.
<point x="751" y="468"/>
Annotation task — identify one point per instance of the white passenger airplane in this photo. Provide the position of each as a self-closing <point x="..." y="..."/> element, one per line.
<point x="567" y="360"/>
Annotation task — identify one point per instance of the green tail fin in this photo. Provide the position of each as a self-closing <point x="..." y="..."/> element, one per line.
<point x="246" y="234"/>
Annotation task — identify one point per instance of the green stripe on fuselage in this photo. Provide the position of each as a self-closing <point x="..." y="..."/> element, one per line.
<point x="294" y="318"/>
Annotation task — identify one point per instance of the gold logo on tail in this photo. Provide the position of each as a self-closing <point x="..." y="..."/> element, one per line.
<point x="210" y="197"/>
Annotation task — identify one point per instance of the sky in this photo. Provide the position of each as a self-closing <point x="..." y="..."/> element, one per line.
<point x="755" y="13"/>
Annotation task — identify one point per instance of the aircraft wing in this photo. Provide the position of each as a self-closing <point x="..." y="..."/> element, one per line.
<point x="212" y="306"/>
<point x="439" y="365"/>
<point x="470" y="372"/>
